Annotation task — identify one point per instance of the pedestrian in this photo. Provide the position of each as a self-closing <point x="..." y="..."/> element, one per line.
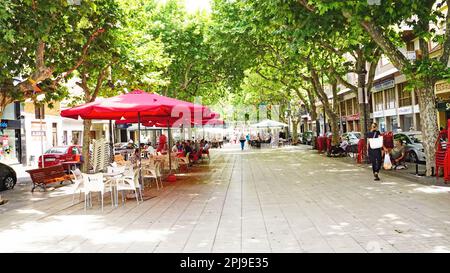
<point x="242" y="140"/>
<point x="375" y="150"/>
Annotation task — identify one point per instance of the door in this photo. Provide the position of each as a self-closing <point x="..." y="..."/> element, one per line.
<point x="65" y="138"/>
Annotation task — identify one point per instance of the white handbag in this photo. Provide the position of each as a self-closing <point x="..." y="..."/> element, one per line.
<point x="376" y="142"/>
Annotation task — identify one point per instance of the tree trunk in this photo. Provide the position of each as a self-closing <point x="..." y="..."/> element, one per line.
<point x="334" y="121"/>
<point x="362" y="96"/>
<point x="294" y="131"/>
<point x="86" y="141"/>
<point x="4" y="101"/>
<point x="428" y="123"/>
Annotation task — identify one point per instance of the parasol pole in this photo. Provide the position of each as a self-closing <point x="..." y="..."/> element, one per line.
<point x="111" y="146"/>
<point x="139" y="143"/>
<point x="169" y="147"/>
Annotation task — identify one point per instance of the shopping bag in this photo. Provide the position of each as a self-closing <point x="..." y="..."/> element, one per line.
<point x="387" y="162"/>
<point x="376" y="143"/>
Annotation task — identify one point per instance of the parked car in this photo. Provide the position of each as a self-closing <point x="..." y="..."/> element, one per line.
<point x="352" y="137"/>
<point x="60" y="154"/>
<point x="8" y="177"/>
<point x="413" y="145"/>
<point x="307" y="137"/>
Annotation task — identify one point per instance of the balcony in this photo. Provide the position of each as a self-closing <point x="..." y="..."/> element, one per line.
<point x="410" y="55"/>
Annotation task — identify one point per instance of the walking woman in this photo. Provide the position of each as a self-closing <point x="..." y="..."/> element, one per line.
<point x="375" y="150"/>
<point x="242" y="140"/>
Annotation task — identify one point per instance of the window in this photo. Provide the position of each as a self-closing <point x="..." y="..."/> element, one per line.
<point x="390" y="98"/>
<point x="342" y="105"/>
<point x="404" y="96"/>
<point x="355" y="106"/>
<point x="39" y="111"/>
<point x="57" y="150"/>
<point x="378" y="100"/>
<point x="349" y="107"/>
<point x="410" y="46"/>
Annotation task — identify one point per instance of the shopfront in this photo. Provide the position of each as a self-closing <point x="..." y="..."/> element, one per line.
<point x="444" y="112"/>
<point x="10" y="152"/>
<point x="10" y="135"/>
<point x="443" y="102"/>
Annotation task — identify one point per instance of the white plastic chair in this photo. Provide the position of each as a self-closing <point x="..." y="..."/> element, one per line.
<point x="130" y="182"/>
<point x="185" y="161"/>
<point x="158" y="174"/>
<point x="94" y="183"/>
<point x="79" y="183"/>
<point x="153" y="173"/>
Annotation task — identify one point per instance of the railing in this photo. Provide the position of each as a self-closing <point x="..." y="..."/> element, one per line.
<point x="410" y="55"/>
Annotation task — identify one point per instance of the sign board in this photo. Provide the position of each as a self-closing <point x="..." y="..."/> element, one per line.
<point x="443" y="106"/>
<point x="352" y="117"/>
<point x="378" y="114"/>
<point x="405" y="110"/>
<point x="442" y="87"/>
<point x="384" y="85"/>
<point x="9" y="124"/>
<point x="123" y="126"/>
<point x="37" y="133"/>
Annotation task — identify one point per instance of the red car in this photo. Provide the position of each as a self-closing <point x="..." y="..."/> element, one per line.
<point x="58" y="155"/>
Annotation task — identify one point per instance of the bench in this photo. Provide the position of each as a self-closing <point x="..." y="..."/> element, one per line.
<point x="43" y="176"/>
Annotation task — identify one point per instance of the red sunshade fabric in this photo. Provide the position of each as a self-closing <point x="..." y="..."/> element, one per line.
<point x="127" y="106"/>
<point x="172" y="121"/>
<point x="178" y="123"/>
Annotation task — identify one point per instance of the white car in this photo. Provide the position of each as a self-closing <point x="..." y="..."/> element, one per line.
<point x="352" y="137"/>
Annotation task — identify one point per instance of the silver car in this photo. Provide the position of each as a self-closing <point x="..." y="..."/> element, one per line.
<point x="352" y="137"/>
<point x="413" y="145"/>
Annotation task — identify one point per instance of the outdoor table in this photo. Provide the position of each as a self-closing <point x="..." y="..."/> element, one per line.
<point x="112" y="177"/>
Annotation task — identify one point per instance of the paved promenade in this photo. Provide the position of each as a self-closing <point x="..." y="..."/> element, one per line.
<point x="270" y="200"/>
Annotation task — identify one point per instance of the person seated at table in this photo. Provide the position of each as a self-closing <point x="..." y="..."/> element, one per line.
<point x="180" y="146"/>
<point x="196" y="146"/>
<point x="187" y="148"/>
<point x="174" y="148"/>
<point x="206" y="147"/>
<point x="130" y="144"/>
<point x="134" y="159"/>
<point x="151" y="150"/>
<point x="398" y="155"/>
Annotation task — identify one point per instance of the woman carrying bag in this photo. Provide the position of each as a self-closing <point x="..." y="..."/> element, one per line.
<point x="375" y="144"/>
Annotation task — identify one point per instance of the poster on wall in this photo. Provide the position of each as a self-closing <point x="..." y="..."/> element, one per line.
<point x="4" y="146"/>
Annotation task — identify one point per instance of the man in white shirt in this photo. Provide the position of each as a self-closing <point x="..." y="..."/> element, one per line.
<point x="150" y="150"/>
<point x="174" y="148"/>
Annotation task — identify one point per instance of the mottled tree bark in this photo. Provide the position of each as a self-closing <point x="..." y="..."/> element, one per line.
<point x="86" y="141"/>
<point x="428" y="122"/>
<point x="294" y="131"/>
